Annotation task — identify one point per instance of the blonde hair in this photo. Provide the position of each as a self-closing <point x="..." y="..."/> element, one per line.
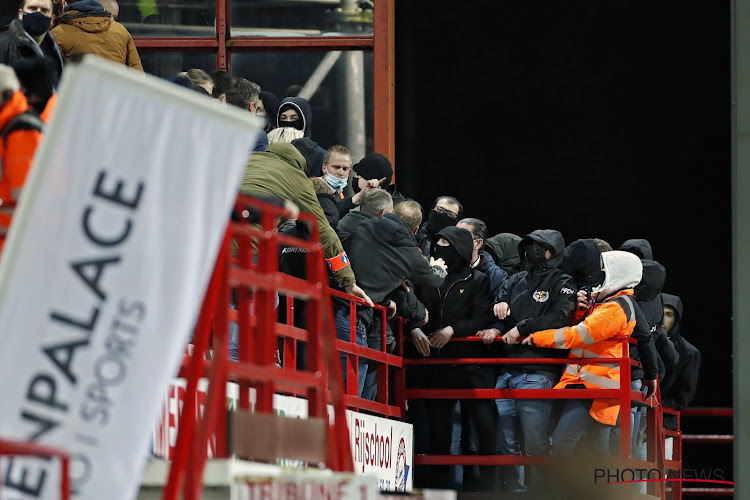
<point x="284" y="134"/>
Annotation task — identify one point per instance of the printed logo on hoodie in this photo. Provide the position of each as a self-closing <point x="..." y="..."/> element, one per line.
<point x="541" y="296"/>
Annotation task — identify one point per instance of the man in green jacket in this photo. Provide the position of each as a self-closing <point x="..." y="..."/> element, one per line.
<point x="280" y="172"/>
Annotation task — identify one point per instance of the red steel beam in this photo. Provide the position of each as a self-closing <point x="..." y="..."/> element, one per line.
<point x="708" y="438"/>
<point x="384" y="97"/>
<point x="175" y="43"/>
<point x="707" y="412"/>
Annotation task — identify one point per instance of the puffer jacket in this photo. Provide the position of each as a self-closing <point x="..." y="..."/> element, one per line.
<point x="86" y="28"/>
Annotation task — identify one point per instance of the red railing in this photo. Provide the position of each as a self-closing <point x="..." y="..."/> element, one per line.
<point x="29" y="448"/>
<point x="625" y="395"/>
<point x="680" y="439"/>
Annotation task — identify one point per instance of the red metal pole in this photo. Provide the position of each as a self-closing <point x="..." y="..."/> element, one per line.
<point x="193" y="373"/>
<point x="65" y="480"/>
<point x="384" y="80"/>
<point x="222" y="33"/>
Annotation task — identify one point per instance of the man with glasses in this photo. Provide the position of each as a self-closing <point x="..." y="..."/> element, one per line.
<point x="445" y="212"/>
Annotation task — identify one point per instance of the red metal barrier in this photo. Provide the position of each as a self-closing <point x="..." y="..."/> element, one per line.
<point x="625" y="395"/>
<point x="29" y="448"/>
<point x="703" y="438"/>
<point x="256" y="285"/>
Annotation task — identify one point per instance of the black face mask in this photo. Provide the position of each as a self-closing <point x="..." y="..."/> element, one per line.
<point x="36" y="23"/>
<point x="437" y="221"/>
<point x="452" y="259"/>
<point x="536" y="254"/>
<point x="295" y="124"/>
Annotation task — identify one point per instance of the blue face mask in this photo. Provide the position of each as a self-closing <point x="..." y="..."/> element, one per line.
<point x="335" y="183"/>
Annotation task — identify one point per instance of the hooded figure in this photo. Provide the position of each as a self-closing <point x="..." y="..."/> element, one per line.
<point x="458" y="308"/>
<point x="680" y="384"/>
<point x="539" y="297"/>
<point x="304" y="114"/>
<point x="582" y="261"/>
<point x="86" y="28"/>
<point x="613" y="314"/>
<point x="648" y="296"/>
<point x="503" y="248"/>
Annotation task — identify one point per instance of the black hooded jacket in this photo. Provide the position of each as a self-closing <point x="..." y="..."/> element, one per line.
<point x="540" y="297"/>
<point x="463" y="301"/>
<point x="639" y="247"/>
<point x="503" y="248"/>
<point x="303" y="108"/>
<point x="383" y="254"/>
<point x="679" y="385"/>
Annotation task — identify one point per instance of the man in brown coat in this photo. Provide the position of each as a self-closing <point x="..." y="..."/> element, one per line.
<point x="87" y="28"/>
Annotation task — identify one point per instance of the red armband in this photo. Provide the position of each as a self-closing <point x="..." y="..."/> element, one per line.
<point x="338" y="262"/>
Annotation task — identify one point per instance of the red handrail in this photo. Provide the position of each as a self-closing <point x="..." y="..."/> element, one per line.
<point x="30" y="448"/>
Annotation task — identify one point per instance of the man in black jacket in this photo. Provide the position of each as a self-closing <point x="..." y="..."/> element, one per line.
<point x="539" y="298"/>
<point x="28" y="36"/>
<point x="384" y="251"/>
<point x="680" y="384"/>
<point x="460" y="307"/>
<point x="445" y="212"/>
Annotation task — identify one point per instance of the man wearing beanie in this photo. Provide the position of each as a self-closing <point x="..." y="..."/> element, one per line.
<point x="37" y="76"/>
<point x="373" y="171"/>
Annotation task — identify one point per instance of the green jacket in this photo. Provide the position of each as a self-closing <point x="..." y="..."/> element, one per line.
<point x="280" y="172"/>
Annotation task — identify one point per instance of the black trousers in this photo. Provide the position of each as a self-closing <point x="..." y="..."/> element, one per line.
<point x="433" y="417"/>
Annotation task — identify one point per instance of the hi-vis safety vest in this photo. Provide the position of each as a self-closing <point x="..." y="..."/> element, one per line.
<point x="589" y="339"/>
<point x="20" y="134"/>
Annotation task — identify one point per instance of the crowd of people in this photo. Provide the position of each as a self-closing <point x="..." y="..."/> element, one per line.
<point x="528" y="296"/>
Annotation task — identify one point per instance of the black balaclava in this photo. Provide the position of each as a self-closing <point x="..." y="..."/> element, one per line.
<point x="298" y="124"/>
<point x="449" y="255"/>
<point x="536" y="253"/>
<point x="437" y="221"/>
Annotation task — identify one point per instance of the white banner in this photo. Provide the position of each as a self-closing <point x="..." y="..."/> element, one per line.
<point x="382" y="448"/>
<point x="107" y="262"/>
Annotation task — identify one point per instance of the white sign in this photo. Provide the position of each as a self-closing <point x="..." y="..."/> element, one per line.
<point x="108" y="259"/>
<point x="381" y="448"/>
<point x="309" y="487"/>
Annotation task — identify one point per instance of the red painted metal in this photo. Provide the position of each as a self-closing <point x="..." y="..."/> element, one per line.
<point x="30" y="448"/>
<point x="625" y="395"/>
<point x="222" y="34"/>
<point x="707" y="492"/>
<point x="175" y="43"/>
<point x="708" y="438"/>
<point x="384" y="95"/>
<point x="707" y="412"/>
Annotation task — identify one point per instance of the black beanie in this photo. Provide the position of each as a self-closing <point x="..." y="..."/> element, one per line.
<point x="37" y="75"/>
<point x="271" y="104"/>
<point x="375" y="166"/>
<point x="307" y="148"/>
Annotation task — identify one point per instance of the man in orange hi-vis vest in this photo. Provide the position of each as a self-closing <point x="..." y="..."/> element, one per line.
<point x="612" y="314"/>
<point x="20" y="134"/>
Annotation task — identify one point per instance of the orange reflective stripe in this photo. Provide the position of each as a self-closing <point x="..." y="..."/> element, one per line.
<point x="338" y="262"/>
